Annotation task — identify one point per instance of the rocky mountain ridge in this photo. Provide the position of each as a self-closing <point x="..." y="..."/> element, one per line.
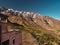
<point x="42" y="30"/>
<point x="47" y="22"/>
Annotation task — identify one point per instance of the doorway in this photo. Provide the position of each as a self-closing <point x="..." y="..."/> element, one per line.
<point x="5" y="42"/>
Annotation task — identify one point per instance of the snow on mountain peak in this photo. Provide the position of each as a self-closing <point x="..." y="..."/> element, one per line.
<point x="16" y="12"/>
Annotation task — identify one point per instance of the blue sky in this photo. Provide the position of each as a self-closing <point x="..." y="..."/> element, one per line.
<point x="44" y="7"/>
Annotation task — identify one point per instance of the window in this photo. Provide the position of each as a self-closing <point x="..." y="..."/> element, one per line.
<point x="14" y="41"/>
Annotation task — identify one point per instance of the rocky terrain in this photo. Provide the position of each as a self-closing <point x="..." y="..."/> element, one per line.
<point x="36" y="29"/>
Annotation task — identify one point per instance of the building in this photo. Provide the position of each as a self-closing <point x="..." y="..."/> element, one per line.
<point x="9" y="37"/>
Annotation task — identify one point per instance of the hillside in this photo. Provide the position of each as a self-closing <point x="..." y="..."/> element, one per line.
<point x="36" y="29"/>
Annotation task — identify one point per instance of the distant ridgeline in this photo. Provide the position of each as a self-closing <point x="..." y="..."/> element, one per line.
<point x="15" y="12"/>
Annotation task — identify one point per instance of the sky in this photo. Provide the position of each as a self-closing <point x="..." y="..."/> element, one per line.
<point x="44" y="7"/>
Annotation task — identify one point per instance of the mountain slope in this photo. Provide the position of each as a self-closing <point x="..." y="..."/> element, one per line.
<point x="32" y="18"/>
<point x="41" y="30"/>
<point x="47" y="22"/>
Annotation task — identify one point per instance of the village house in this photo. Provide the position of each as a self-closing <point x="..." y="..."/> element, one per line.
<point x="9" y="37"/>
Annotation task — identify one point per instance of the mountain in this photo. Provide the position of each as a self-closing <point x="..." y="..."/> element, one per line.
<point x="48" y="22"/>
<point x="42" y="30"/>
